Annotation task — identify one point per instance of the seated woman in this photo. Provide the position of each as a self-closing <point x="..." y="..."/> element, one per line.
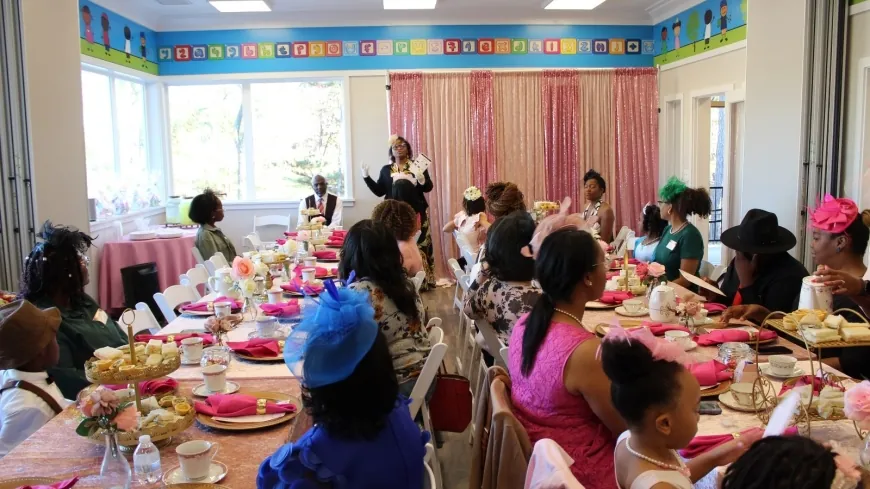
<point x="55" y="275"/>
<point x="594" y="187"/>
<point x="681" y="246"/>
<point x="401" y="220"/>
<point x="371" y="253"/>
<point x="559" y="388"/>
<point x="507" y="291"/>
<point x="404" y="191"/>
<point x="363" y="435"/>
<point x="470" y="223"/>
<point x="206" y="209"/>
<point x="503" y="198"/>
<point x="653" y="225"/>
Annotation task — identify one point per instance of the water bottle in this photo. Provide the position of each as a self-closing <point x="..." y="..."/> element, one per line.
<point x="146" y="461"/>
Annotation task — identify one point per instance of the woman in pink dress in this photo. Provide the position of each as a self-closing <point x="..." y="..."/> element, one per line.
<point x="559" y="389"/>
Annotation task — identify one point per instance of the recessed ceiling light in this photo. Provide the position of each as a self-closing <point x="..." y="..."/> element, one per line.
<point x="409" y="4"/>
<point x="232" y="6"/>
<point x="572" y="4"/>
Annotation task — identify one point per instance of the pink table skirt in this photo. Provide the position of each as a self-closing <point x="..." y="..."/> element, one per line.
<point x="173" y="257"/>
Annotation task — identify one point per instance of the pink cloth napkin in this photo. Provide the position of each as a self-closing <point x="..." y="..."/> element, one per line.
<point x="325" y="255"/>
<point x="297" y="286"/>
<point x="203" y="306"/>
<point x="720" y="336"/>
<point x="710" y="372"/>
<point x="257" y="347"/>
<point x="234" y="405"/>
<point x="659" y="329"/>
<point x="284" y="310"/>
<point x="207" y="339"/>
<point x="335" y="243"/>
<point x="704" y="443"/>
<point x="291" y="234"/>
<point x="818" y="384"/>
<point x="57" y="485"/>
<point x="320" y="272"/>
<point x="713" y="307"/>
<point x="615" y="297"/>
<point x="151" y="387"/>
<point x="281" y="241"/>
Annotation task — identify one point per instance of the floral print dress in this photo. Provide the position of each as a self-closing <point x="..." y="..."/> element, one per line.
<point x="501" y="303"/>
<point x="407" y="338"/>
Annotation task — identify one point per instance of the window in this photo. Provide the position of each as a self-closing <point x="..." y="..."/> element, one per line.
<point x="120" y="176"/>
<point x="258" y="141"/>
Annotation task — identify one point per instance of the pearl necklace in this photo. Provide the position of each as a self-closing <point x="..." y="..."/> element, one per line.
<point x="682" y="469"/>
<point x="575" y="318"/>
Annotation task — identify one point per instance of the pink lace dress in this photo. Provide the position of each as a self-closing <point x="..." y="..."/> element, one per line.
<point x="547" y="410"/>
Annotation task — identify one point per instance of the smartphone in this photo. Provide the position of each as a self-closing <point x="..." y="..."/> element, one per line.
<point x="710" y="407"/>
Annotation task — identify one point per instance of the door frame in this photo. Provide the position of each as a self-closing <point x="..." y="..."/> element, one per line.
<point x="730" y="187"/>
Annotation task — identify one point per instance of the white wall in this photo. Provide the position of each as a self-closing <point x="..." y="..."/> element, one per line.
<point x="54" y="103"/>
<point x="857" y="122"/>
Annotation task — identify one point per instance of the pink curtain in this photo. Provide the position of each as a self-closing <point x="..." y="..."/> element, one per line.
<point x="635" y="119"/>
<point x="596" y="138"/>
<point x="559" y="100"/>
<point x="483" y="163"/>
<point x="406" y="107"/>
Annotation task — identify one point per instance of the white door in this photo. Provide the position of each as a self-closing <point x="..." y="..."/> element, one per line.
<point x="732" y="212"/>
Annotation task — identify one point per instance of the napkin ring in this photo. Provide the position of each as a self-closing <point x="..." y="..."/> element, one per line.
<point x="735" y="435"/>
<point x="261" y="406"/>
<point x="170" y="338"/>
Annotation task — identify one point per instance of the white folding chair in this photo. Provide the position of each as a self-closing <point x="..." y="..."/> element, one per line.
<point x="195" y="277"/>
<point x="197" y="255"/>
<point x="170" y="298"/>
<point x="433" y="323"/>
<point x="492" y="341"/>
<point x="620" y="237"/>
<point x="505" y="352"/>
<point x="421" y="387"/>
<point x="418" y="280"/>
<point x="252" y="242"/>
<point x="429" y="481"/>
<point x="272" y="221"/>
<point x="457" y="273"/>
<point x="215" y="262"/>
<point x="141" y="318"/>
<point x="706" y="269"/>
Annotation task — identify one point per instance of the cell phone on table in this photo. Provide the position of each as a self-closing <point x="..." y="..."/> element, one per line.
<point x="710" y="407"/>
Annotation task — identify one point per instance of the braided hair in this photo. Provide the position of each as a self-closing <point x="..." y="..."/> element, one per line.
<point x="502" y="198"/>
<point x="399" y="217"/>
<point x="55" y="264"/>
<point x="782" y="462"/>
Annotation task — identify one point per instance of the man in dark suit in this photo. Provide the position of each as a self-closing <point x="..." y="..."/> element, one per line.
<point x="329" y="205"/>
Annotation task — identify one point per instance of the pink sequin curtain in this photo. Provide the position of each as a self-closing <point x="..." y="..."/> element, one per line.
<point x="635" y="119"/>
<point x="559" y="102"/>
<point x="483" y="163"/>
<point x="406" y="107"/>
<point x="596" y="137"/>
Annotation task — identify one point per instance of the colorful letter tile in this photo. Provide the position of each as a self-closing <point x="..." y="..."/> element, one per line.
<point x="434" y="46"/>
<point x="536" y="46"/>
<point x="502" y="46"/>
<point x="267" y="50"/>
<point x="385" y="48"/>
<point x="249" y="51"/>
<point x="418" y="47"/>
<point x="402" y="48"/>
<point x="649" y="47"/>
<point x="300" y="49"/>
<point x="617" y="46"/>
<point x="351" y="48"/>
<point x="469" y="46"/>
<point x="216" y="51"/>
<point x="316" y="49"/>
<point x="368" y="48"/>
<point x="600" y="46"/>
<point x="584" y="46"/>
<point x="333" y="48"/>
<point x="164" y="53"/>
<point x="234" y="51"/>
<point x="453" y="46"/>
<point x="283" y="50"/>
<point x="200" y="52"/>
<point x="486" y="46"/>
<point x="552" y="46"/>
<point x="632" y="46"/>
<point x="182" y="53"/>
<point x="519" y="46"/>
<point x="569" y="46"/>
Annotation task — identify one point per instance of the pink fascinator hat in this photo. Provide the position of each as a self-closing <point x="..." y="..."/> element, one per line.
<point x="833" y="215"/>
<point x="556" y="222"/>
<point x="660" y="348"/>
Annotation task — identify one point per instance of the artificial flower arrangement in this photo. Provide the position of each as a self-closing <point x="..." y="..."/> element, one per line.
<point x="243" y="273"/>
<point x="472" y="193"/>
<point x="220" y="326"/>
<point x="543" y="208"/>
<point x="654" y="273"/>
<point x="103" y="410"/>
<point x="687" y="311"/>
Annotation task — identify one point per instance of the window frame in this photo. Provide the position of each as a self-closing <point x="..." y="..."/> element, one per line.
<point x="246" y="80"/>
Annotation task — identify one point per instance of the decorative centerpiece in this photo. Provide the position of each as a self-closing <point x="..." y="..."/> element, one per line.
<point x="243" y="273"/>
<point x="687" y="311"/>
<point x="541" y="209"/>
<point x="104" y="412"/>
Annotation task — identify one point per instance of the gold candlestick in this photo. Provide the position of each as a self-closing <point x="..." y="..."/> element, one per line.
<point x="625" y="267"/>
<point x="132" y="343"/>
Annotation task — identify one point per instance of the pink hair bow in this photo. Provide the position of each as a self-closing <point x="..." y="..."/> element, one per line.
<point x="553" y="223"/>
<point x="833" y="215"/>
<point x="661" y="349"/>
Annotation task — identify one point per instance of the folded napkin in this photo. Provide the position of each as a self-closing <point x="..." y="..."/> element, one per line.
<point x="298" y="287"/>
<point x="325" y="255"/>
<point x="319" y="272"/>
<point x="714" y="307"/>
<point x="57" y="485"/>
<point x="280" y="241"/>
<point x="291" y="234"/>
<point x="207" y="339"/>
<point x="719" y="336"/>
<point x="615" y="297"/>
<point x="335" y="243"/>
<point x="284" y="309"/>
<point x="341" y="233"/>
<point x="151" y="387"/>
<point x="256" y="347"/>
<point x="818" y="384"/>
<point x="704" y="443"/>
<point x="203" y="306"/>
<point x="234" y="405"/>
<point x="658" y="329"/>
<point x="710" y="372"/>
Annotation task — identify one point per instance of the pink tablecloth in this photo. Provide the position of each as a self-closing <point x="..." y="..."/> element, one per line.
<point x="173" y="257"/>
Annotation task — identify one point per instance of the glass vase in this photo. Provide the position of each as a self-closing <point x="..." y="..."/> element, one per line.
<point x="216" y="355"/>
<point x="115" y="470"/>
<point x="864" y="456"/>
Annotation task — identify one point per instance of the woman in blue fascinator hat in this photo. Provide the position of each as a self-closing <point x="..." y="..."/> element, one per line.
<point x="363" y="435"/>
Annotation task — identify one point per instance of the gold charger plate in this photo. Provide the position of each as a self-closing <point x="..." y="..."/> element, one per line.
<point x="27" y="481"/>
<point x="723" y="388"/>
<point x="600" y="305"/>
<point x="728" y="401"/>
<point x="272" y="396"/>
<point x="195" y="485"/>
<point x="259" y="359"/>
<point x="602" y="328"/>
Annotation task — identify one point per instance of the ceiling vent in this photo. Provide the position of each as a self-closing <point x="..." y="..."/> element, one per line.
<point x="174" y="2"/>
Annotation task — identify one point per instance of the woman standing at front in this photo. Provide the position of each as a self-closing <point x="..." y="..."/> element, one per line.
<point x="401" y="154"/>
<point x="681" y="246"/>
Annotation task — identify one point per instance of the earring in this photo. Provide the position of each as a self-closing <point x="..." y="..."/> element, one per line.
<point x="838" y="249"/>
<point x="589" y="283"/>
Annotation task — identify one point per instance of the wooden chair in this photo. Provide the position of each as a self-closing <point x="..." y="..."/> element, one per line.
<point x="195" y="277"/>
<point x="170" y="298"/>
<point x="421" y="387"/>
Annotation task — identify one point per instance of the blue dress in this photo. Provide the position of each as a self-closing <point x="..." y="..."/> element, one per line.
<point x="392" y="460"/>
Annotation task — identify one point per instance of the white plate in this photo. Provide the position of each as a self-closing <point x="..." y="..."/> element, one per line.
<point x="280" y="334"/>
<point x="729" y="402"/>
<point x="169" y="234"/>
<point x="202" y="391"/>
<point x="641" y="312"/>
<point x="708" y="387"/>
<point x="216" y="473"/>
<point x="765" y="369"/>
<point x="185" y="361"/>
<point x="691" y="346"/>
<point x="255" y="418"/>
<point x="142" y="235"/>
<point x="198" y="313"/>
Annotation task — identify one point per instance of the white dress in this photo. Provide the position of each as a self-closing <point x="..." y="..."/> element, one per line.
<point x="650" y="478"/>
<point x="590" y="211"/>
<point x="645" y="253"/>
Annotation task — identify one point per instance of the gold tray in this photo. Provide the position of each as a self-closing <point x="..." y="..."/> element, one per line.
<point x="777" y="325"/>
<point x="602" y="328"/>
<point x="813" y="413"/>
<point x="259" y="359"/>
<point x="27" y="481"/>
<point x="722" y="388"/>
<point x="157" y="433"/>
<point x="596" y="305"/>
<point x="194" y="485"/>
<point x="141" y="374"/>
<point x="272" y="396"/>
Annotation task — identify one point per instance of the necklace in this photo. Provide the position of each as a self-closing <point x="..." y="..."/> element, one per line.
<point x="575" y="318"/>
<point x="647" y="242"/>
<point x="681" y="468"/>
<point x="675" y="231"/>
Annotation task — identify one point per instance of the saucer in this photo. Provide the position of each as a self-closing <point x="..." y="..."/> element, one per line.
<point x="728" y="400"/>
<point x="641" y="312"/>
<point x="796" y="372"/>
<point x="202" y="391"/>
<point x="185" y="361"/>
<point x="280" y="334"/>
<point x="216" y="473"/>
<point x="691" y="346"/>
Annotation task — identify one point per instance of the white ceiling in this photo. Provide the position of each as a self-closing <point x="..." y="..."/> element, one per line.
<point x="199" y="15"/>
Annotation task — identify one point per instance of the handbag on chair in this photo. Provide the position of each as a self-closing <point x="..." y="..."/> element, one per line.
<point x="450" y="405"/>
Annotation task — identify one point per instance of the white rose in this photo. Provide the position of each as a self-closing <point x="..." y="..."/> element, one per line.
<point x="261" y="269"/>
<point x="248" y="287"/>
<point x="290" y="247"/>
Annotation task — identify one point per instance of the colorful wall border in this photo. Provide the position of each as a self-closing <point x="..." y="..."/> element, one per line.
<point x="111" y="37"/>
<point x="711" y="25"/>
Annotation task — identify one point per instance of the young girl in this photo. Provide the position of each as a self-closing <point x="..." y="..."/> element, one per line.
<point x="470" y="223"/>
<point x="658" y="399"/>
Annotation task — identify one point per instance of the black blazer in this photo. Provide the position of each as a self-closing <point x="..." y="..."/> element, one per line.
<point x="384" y="185"/>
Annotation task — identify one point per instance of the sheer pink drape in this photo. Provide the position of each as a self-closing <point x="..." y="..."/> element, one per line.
<point x="483" y="163"/>
<point x="406" y="107"/>
<point x="447" y="141"/>
<point x="559" y="102"/>
<point x="635" y="119"/>
<point x="596" y="137"/>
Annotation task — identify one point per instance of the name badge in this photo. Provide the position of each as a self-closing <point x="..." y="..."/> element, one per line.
<point x="671" y="245"/>
<point x="101" y="316"/>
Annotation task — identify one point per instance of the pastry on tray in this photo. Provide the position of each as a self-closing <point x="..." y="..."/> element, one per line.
<point x="855" y="333"/>
<point x="821" y="335"/>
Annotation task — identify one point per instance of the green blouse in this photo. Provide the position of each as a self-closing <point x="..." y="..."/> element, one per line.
<point x="80" y="333"/>
<point x="688" y="245"/>
<point x="210" y="240"/>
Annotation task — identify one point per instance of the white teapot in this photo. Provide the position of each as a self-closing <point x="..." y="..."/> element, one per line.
<point x="222" y="282"/>
<point x="662" y="304"/>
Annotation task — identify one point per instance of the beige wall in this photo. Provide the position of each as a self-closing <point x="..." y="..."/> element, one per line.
<point x="857" y="159"/>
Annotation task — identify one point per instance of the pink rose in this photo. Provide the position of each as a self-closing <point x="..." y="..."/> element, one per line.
<point x="656" y="269"/>
<point x="127" y="419"/>
<point x="857" y="404"/>
<point x="242" y="268"/>
<point x="692" y="308"/>
<point x="105" y="402"/>
<point x="86" y="406"/>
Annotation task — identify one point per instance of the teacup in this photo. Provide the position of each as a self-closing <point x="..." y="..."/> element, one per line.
<point x="782" y="365"/>
<point x="191" y="349"/>
<point x="309" y="274"/>
<point x="310" y="261"/>
<point x="223" y="309"/>
<point x="682" y="338"/>
<point x="215" y="377"/>
<point x="632" y="306"/>
<point x="275" y="296"/>
<point x="195" y="458"/>
<point x="742" y="393"/>
<point x="266" y="326"/>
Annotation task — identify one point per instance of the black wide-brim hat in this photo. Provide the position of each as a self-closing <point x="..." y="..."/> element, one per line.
<point x="759" y="234"/>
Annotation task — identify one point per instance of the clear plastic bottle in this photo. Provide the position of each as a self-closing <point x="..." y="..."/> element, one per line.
<point x="146" y="461"/>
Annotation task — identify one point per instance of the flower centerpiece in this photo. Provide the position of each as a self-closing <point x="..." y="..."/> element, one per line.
<point x="856" y="406"/>
<point x="103" y="410"/>
<point x="687" y="311"/>
<point x="220" y="326"/>
<point x="542" y="209"/>
<point x="654" y="273"/>
<point x="243" y="273"/>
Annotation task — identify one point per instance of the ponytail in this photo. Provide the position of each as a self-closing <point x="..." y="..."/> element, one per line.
<point x="694" y="201"/>
<point x="859" y="231"/>
<point x="537" y="325"/>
